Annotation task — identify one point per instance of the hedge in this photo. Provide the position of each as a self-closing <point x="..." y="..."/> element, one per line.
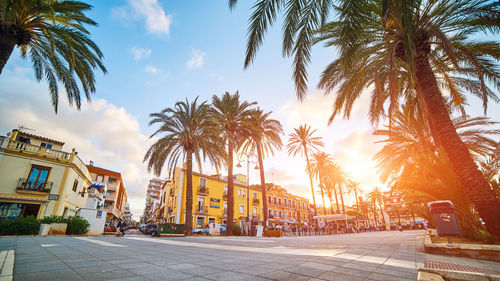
<point x="30" y="225"/>
<point x="171" y="228"/>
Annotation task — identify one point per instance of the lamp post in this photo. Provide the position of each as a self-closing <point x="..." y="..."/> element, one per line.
<point x="249" y="158"/>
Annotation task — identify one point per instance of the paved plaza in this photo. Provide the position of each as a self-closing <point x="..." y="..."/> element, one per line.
<point x="363" y="256"/>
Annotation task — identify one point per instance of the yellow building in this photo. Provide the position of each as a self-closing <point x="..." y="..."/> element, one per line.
<point x="286" y="208"/>
<point x="38" y="178"/>
<point x="209" y="199"/>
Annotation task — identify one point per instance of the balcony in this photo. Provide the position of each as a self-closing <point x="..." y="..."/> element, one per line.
<point x="35" y="149"/>
<point x="172" y="192"/>
<point x="256" y="201"/>
<point x="32" y="187"/>
<point x="255" y="217"/>
<point x="201" y="210"/>
<point x="202" y="190"/>
<point x="224" y="196"/>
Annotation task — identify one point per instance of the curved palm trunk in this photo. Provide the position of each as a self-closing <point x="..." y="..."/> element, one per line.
<point x="311" y="180"/>
<point x="357" y="204"/>
<point x="321" y="187"/>
<point x="444" y="133"/>
<point x="331" y="203"/>
<point x="342" y="198"/>
<point x="7" y="44"/>
<point x="189" y="193"/>
<point x="374" y="214"/>
<point x="230" y="190"/>
<point x="262" y="182"/>
<point x="336" y="198"/>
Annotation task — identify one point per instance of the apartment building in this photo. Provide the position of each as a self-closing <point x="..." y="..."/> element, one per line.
<point x="286" y="208"/>
<point x="115" y="198"/>
<point x="209" y="199"/>
<point x="153" y="196"/>
<point x="39" y="178"/>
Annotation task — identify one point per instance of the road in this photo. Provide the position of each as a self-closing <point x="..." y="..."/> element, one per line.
<point x="363" y="256"/>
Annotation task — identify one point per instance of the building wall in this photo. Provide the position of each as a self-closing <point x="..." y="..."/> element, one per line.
<point x="16" y="161"/>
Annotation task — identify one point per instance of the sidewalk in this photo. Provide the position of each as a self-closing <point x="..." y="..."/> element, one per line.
<point x="462" y="268"/>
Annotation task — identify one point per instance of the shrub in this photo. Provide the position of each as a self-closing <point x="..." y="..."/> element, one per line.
<point x="20" y="226"/>
<point x="479" y="235"/>
<point x="171" y="228"/>
<point x="76" y="225"/>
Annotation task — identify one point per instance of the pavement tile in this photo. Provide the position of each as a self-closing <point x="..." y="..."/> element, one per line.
<point x="254" y="270"/>
<point x="384" y="277"/>
<point x="228" y="276"/>
<point x="398" y="273"/>
<point x="99" y="268"/>
<point x="182" y="266"/>
<point x="283" y="275"/>
<point x="201" y="270"/>
<point x="56" y="275"/>
<point x="107" y="275"/>
<point x="167" y="275"/>
<point x="304" y="270"/>
<point x="351" y="271"/>
<point x="132" y="265"/>
<point x="335" y="276"/>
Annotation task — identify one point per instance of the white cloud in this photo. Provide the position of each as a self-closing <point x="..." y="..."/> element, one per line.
<point x="101" y="131"/>
<point x="156" y="20"/>
<point x="152" y="69"/>
<point x="140" y="53"/>
<point x="197" y="59"/>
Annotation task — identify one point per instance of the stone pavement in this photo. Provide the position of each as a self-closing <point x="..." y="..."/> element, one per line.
<point x="363" y="256"/>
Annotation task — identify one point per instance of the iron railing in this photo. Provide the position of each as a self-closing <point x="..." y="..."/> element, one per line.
<point x="31" y="185"/>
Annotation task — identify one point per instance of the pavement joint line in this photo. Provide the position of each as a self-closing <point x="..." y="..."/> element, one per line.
<point x="102" y="243"/>
<point x="7" y="268"/>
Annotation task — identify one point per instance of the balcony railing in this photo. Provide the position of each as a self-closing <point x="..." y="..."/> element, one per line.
<point x="201" y="210"/>
<point x="172" y="192"/>
<point x="203" y="190"/>
<point x="256" y="201"/>
<point x="255" y="217"/>
<point x="35" y="149"/>
<point x="33" y="186"/>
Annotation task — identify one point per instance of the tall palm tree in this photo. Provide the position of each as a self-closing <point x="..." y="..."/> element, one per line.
<point x="428" y="44"/>
<point x="229" y="113"/>
<point x="319" y="163"/>
<point x="331" y="185"/>
<point x="364" y="208"/>
<point x="354" y="186"/>
<point x="264" y="136"/>
<point x="54" y="35"/>
<point x="302" y="141"/>
<point x="185" y="130"/>
<point x="376" y="198"/>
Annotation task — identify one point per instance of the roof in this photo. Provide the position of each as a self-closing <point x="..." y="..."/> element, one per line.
<point x="41" y="138"/>
<point x="98" y="170"/>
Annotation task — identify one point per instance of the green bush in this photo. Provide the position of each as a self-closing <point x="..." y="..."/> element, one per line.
<point x="479" y="235"/>
<point x="171" y="228"/>
<point x="20" y="226"/>
<point x="76" y="225"/>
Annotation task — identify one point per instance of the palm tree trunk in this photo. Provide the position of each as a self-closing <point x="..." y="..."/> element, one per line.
<point x="230" y="190"/>
<point x="262" y="182"/>
<point x="7" y="44"/>
<point x="336" y="199"/>
<point x="342" y="198"/>
<point x="356" y="195"/>
<point x="321" y="187"/>
<point x="331" y="204"/>
<point x="311" y="180"/>
<point x="189" y="193"/>
<point x="444" y="133"/>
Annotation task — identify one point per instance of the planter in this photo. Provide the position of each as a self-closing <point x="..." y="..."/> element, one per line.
<point x="44" y="229"/>
<point x="58" y="229"/>
<point x="273" y="233"/>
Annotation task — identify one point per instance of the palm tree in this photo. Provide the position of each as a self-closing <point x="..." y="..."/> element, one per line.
<point x="364" y="208"/>
<point x="382" y="43"/>
<point x="331" y="184"/>
<point x="376" y="197"/>
<point x="302" y="141"/>
<point x="54" y="35"/>
<point x="320" y="161"/>
<point x="230" y="114"/>
<point x="264" y="136"/>
<point x="354" y="186"/>
<point x="185" y="130"/>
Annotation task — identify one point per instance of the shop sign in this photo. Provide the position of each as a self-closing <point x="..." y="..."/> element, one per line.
<point x="98" y="215"/>
<point x="54" y="197"/>
<point x="214" y="203"/>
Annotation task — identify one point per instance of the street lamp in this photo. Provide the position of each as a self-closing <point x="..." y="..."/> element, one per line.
<point x="250" y="158"/>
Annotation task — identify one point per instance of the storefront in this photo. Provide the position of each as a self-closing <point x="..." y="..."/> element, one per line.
<point x="13" y="210"/>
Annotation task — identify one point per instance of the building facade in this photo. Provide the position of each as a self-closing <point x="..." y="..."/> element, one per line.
<point x="153" y="197"/>
<point x="38" y="178"/>
<point x="115" y="198"/>
<point x="286" y="208"/>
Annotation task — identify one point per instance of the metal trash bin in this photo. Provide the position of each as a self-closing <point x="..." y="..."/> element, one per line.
<point x="445" y="219"/>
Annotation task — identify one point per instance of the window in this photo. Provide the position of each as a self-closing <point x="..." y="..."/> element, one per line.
<point x="255" y="210"/>
<point x="286" y="202"/>
<point x="225" y="190"/>
<point x="255" y="195"/>
<point x="211" y="220"/>
<point x="46" y="145"/>
<point x="274" y="200"/>
<point x="270" y="213"/>
<point x="269" y="199"/>
<point x="203" y="183"/>
<point x="37" y="177"/>
<point x="242" y="209"/>
<point x="293" y="204"/>
<point x="279" y="201"/>
<point x="75" y="185"/>
<point x="281" y="214"/>
<point x="394" y="200"/>
<point x="100" y="178"/>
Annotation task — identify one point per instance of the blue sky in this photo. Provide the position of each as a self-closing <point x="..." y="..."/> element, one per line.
<point x="158" y="52"/>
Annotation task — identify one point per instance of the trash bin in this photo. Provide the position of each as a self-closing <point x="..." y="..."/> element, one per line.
<point x="445" y="219"/>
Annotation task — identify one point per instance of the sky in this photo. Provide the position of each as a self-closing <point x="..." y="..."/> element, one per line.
<point x="158" y="52"/>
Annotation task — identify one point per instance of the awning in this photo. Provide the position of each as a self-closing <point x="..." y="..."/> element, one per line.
<point x="24" y="198"/>
<point x="336" y="217"/>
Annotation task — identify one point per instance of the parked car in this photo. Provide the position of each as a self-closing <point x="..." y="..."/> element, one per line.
<point x="149" y="228"/>
<point x="153" y="230"/>
<point x="141" y="227"/>
<point x="202" y="231"/>
<point x="223" y="229"/>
